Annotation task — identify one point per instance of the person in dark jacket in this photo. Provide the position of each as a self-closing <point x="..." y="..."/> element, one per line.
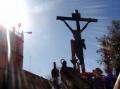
<point x="55" y="75"/>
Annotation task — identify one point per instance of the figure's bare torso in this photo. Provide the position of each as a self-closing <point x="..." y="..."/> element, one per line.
<point x="76" y="35"/>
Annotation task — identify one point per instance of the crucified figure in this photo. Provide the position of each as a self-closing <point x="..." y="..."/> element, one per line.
<point x="78" y="43"/>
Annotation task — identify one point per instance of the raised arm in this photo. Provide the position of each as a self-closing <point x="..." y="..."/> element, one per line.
<point x="84" y="26"/>
<point x="68" y="26"/>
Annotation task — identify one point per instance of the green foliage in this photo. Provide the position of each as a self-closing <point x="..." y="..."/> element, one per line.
<point x="112" y="49"/>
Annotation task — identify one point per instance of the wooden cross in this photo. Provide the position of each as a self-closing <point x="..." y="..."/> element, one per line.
<point x="78" y="43"/>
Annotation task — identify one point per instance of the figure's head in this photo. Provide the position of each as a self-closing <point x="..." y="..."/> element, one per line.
<point x="64" y="63"/>
<point x="76" y="15"/>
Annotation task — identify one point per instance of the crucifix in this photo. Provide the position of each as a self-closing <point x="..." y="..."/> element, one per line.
<point x="77" y="44"/>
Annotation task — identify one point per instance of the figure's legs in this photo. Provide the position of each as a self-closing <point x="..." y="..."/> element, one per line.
<point x="76" y="49"/>
<point x="78" y="54"/>
<point x="73" y="50"/>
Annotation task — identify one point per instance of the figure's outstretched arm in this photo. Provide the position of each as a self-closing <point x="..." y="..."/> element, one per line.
<point x="68" y="26"/>
<point x="84" y="26"/>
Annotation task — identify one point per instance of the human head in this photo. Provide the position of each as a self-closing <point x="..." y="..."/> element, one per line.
<point x="97" y="72"/>
<point x="64" y="63"/>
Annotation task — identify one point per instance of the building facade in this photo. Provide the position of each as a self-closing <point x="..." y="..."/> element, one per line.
<point x="11" y="48"/>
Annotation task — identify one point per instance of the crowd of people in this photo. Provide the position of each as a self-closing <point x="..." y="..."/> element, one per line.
<point x="96" y="77"/>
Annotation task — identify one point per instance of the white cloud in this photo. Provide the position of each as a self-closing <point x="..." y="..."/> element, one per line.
<point x="45" y="6"/>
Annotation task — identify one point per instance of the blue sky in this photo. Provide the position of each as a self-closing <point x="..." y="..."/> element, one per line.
<point x="50" y="40"/>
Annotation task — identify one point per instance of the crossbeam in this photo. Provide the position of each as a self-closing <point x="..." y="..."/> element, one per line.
<point x="74" y="19"/>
